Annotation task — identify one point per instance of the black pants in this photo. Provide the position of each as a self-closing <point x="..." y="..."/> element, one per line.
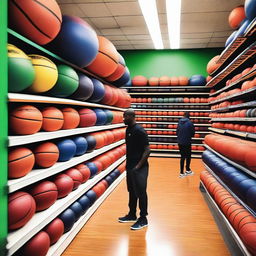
<point x="137" y="188"/>
<point x="185" y="152"/>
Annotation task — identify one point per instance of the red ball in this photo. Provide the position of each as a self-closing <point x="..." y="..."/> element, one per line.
<point x="55" y="230"/>
<point x="38" y="245"/>
<point x="20" y="162"/>
<point x="21" y="208"/>
<point x="40" y="21"/>
<point x="46" y="154"/>
<point x="139" y="81"/>
<point x="236" y="16"/>
<point x="250" y="159"/>
<point x="108" y="96"/>
<point x="52" y="119"/>
<point x="71" y="118"/>
<point x="25" y="120"/>
<point x="85" y="171"/>
<point x="64" y="184"/>
<point x="87" y="117"/>
<point x="119" y="70"/>
<point x="45" y="194"/>
<point x="76" y="176"/>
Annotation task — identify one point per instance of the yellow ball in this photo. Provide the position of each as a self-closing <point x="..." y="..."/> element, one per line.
<point x="46" y="74"/>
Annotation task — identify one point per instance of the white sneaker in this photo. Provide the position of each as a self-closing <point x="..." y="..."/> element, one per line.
<point x="189" y="173"/>
<point x="182" y="175"/>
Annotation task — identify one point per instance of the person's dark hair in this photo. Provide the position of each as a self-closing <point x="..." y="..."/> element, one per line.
<point x="186" y="114"/>
<point x="130" y="112"/>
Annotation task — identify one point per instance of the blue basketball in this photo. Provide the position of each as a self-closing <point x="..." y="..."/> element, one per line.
<point x="109" y="180"/>
<point x="101" y="116"/>
<point x="77" y="209"/>
<point x="251" y="197"/>
<point x="76" y="42"/>
<point x="67" y="149"/>
<point x="109" y="115"/>
<point x="234" y="184"/>
<point x="244" y="186"/>
<point x="91" y="143"/>
<point x="85" y="88"/>
<point x="231" y="38"/>
<point x="241" y="30"/>
<point x="123" y="79"/>
<point x="92" y="196"/>
<point x="98" y="91"/>
<point x="84" y="202"/>
<point x="197" y="80"/>
<point x="250" y="9"/>
<point x="81" y="145"/>
<point x="68" y="217"/>
<point x="93" y="168"/>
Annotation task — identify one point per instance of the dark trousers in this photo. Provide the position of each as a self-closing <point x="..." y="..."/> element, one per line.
<point x="185" y="152"/>
<point x="137" y="188"/>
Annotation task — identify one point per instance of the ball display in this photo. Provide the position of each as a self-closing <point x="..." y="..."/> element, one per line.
<point x="236" y="16"/>
<point x="21" y="73"/>
<point x="81" y="145"/>
<point x="92" y="196"/>
<point x="71" y="118"/>
<point x="52" y="119"/>
<point x="93" y="168"/>
<point x="109" y="115"/>
<point x="40" y="21"/>
<point x="67" y="82"/>
<point x="45" y="194"/>
<point x="139" y="81"/>
<point x="85" y="171"/>
<point x="101" y="116"/>
<point x="46" y="74"/>
<point x="119" y="70"/>
<point x="108" y="96"/>
<point x="91" y="143"/>
<point x="76" y="176"/>
<point x="46" y="154"/>
<point x="25" y="120"/>
<point x="98" y="91"/>
<point x="87" y="117"/>
<point x="55" y="230"/>
<point x="84" y="201"/>
<point x="76" y="42"/>
<point x="21" y="208"/>
<point x="77" y="209"/>
<point x="64" y="184"/>
<point x="68" y="218"/>
<point x="124" y="79"/>
<point x="20" y="162"/>
<point x="67" y="149"/>
<point x="197" y="80"/>
<point x="153" y="81"/>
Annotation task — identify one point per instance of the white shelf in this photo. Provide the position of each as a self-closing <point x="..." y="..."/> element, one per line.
<point x="174" y="150"/>
<point x="229" y="190"/>
<point x="42" y="136"/>
<point x="195" y="117"/>
<point x="252" y="174"/>
<point x="170" y="109"/>
<point x="172" y="143"/>
<point x="25" y="98"/>
<point x="58" y="248"/>
<point x="162" y="129"/>
<point x="196" y="124"/>
<point x="226" y="222"/>
<point x="17" y="238"/>
<point x="169" y="103"/>
<point x="171" y="155"/>
<point x="244" y="119"/>
<point x="40" y="174"/>
<point x="170" y="136"/>
<point x="166" y="87"/>
<point x="170" y="93"/>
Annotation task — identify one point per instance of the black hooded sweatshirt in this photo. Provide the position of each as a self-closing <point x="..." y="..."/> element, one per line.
<point x="185" y="131"/>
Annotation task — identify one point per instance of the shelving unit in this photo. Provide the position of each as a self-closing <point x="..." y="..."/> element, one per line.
<point x="249" y="104"/>
<point x="233" y="241"/>
<point x="17" y="238"/>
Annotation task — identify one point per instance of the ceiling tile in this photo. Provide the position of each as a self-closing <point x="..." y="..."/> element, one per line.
<point x="115" y="31"/>
<point x="195" y="40"/>
<point x="112" y="38"/>
<point x="64" y="1"/>
<point x="138" y="37"/>
<point x="120" y="42"/>
<point x="224" y="33"/>
<point x="127" y="8"/>
<point x="106" y="22"/>
<point x="130" y="21"/>
<point x="161" y="7"/>
<point x="144" y="46"/>
<point x="135" y="30"/>
<point x="216" y="45"/>
<point x="71" y="9"/>
<point x="218" y="40"/>
<point x="196" y="35"/>
<point x="95" y="10"/>
<point x="191" y="46"/>
<point x="87" y="1"/>
<point x="124" y="47"/>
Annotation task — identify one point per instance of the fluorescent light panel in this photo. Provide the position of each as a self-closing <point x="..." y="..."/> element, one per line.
<point x="149" y="11"/>
<point x="173" y="9"/>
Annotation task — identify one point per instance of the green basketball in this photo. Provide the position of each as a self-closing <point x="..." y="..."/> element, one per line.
<point x="21" y="73"/>
<point x="67" y="82"/>
<point x="109" y="115"/>
<point x="160" y="100"/>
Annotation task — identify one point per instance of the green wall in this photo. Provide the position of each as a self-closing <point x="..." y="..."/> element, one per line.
<point x="169" y="62"/>
<point x="3" y="126"/>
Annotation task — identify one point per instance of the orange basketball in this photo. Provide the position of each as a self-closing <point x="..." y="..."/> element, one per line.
<point x="174" y="81"/>
<point x="85" y="171"/>
<point x="20" y="162"/>
<point x="52" y="119"/>
<point x="236" y="16"/>
<point x="25" y="120"/>
<point x="212" y="64"/>
<point x="164" y="81"/>
<point x="71" y="118"/>
<point x="106" y="61"/>
<point x="139" y="81"/>
<point x="183" y="80"/>
<point x="100" y="140"/>
<point x="153" y="81"/>
<point x="119" y="70"/>
<point x="46" y="154"/>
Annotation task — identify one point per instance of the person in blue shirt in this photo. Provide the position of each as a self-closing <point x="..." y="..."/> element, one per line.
<point x="185" y="131"/>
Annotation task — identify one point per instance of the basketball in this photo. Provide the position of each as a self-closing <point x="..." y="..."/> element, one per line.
<point x="91" y="143"/>
<point x="98" y="91"/>
<point x="139" y="81"/>
<point x="76" y="176"/>
<point x="67" y="82"/>
<point x="101" y="116"/>
<point x="81" y="145"/>
<point x="21" y="73"/>
<point x="212" y="64"/>
<point x="46" y="154"/>
<point x="39" y="21"/>
<point x="21" y="208"/>
<point x="108" y="96"/>
<point x="68" y="218"/>
<point x="76" y="42"/>
<point x="71" y="118"/>
<point x="46" y="74"/>
<point x="67" y="149"/>
<point x="153" y="81"/>
<point x="106" y="61"/>
<point x="119" y="70"/>
<point x="109" y="115"/>
<point x="38" y="245"/>
<point x="77" y="209"/>
<point x="45" y="194"/>
<point x="124" y="79"/>
<point x="20" y="162"/>
<point x="25" y="120"/>
<point x="87" y="117"/>
<point x="85" y="171"/>
<point x="164" y="81"/>
<point x="52" y="119"/>
<point x="64" y="184"/>
<point x="236" y="16"/>
<point x="55" y="230"/>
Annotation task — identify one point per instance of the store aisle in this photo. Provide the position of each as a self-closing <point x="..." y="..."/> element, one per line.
<point x="180" y="223"/>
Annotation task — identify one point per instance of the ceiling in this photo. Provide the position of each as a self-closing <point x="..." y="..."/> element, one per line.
<point x="204" y="23"/>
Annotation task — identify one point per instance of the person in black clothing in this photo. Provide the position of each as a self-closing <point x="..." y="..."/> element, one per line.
<point x="137" y="153"/>
<point x="185" y="131"/>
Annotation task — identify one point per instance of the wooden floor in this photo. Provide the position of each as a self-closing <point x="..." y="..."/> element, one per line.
<point x="180" y="223"/>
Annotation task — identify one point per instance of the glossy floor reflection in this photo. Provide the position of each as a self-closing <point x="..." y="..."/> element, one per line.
<point x="180" y="223"/>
